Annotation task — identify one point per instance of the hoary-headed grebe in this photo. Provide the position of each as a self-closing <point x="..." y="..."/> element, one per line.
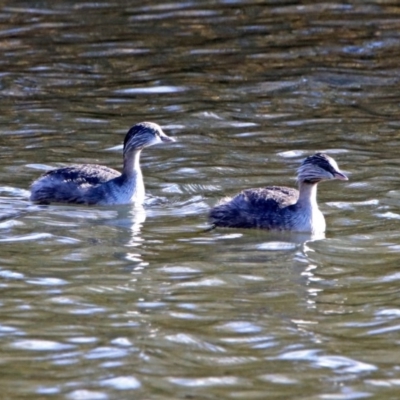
<point x="281" y="208"/>
<point x="97" y="184"/>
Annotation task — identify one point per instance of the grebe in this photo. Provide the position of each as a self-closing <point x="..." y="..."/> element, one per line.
<point x="96" y="184"/>
<point x="281" y="208"/>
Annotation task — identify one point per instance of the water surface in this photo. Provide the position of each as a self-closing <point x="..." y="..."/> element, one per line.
<point x="119" y="303"/>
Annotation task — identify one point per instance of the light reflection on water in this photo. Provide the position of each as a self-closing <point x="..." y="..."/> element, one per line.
<point x="115" y="301"/>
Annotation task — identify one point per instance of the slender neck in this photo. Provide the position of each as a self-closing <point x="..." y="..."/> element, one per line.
<point x="131" y="163"/>
<point x="307" y="195"/>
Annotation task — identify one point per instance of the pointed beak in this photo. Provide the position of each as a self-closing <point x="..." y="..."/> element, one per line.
<point x="167" y="139"/>
<point x="341" y="176"/>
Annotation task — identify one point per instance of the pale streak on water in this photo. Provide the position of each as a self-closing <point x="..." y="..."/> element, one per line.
<point x="121" y="303"/>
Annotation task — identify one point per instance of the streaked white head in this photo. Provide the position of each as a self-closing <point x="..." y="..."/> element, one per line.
<point x="144" y="134"/>
<point x="319" y="167"/>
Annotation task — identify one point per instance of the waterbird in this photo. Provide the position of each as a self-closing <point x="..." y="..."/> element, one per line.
<point x="281" y="208"/>
<point x="92" y="184"/>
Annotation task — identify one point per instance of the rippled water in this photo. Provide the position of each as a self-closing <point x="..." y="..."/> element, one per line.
<point x="119" y="303"/>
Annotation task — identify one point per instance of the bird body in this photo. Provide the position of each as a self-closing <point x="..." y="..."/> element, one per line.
<point x="96" y="184"/>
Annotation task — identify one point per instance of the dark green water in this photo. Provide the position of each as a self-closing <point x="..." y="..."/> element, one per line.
<point x="108" y="303"/>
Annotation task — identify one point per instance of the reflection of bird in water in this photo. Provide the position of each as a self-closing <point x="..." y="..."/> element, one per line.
<point x="97" y="184"/>
<point x="278" y="207"/>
